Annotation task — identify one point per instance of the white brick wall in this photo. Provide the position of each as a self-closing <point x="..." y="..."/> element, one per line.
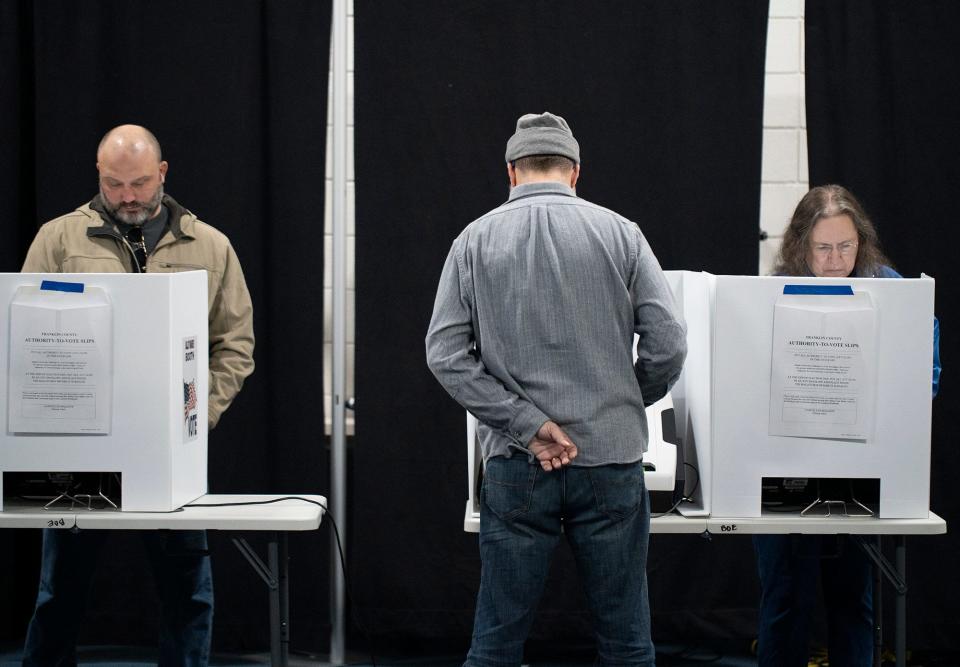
<point x="784" y="168"/>
<point x="784" y="178"/>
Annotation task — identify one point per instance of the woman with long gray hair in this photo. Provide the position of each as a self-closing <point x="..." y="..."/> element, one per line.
<point x="829" y="236"/>
<point x="832" y="206"/>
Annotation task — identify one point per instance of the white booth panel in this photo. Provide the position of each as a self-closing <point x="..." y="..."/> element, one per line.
<point x="898" y="451"/>
<point x="691" y="394"/>
<point x="161" y="468"/>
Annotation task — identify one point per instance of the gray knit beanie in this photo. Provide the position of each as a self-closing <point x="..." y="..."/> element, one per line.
<point x="542" y="134"/>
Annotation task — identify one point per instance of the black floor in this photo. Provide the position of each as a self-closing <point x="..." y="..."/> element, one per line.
<point x="734" y="654"/>
<point x="130" y="656"/>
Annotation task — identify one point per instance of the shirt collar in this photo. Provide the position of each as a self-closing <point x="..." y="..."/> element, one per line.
<point x="542" y="188"/>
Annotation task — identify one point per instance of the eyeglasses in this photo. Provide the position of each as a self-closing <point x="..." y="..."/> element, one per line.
<point x="845" y="249"/>
<point x="135" y="236"/>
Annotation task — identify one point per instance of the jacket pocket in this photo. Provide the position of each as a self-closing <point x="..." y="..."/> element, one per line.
<point x="177" y="267"/>
<point x="94" y="264"/>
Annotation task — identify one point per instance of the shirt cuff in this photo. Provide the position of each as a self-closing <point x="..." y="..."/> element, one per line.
<point x="526" y="424"/>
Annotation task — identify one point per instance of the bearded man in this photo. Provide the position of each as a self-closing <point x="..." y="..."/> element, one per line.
<point x="131" y="226"/>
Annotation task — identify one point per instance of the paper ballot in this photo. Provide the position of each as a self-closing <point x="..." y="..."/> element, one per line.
<point x="823" y="368"/>
<point x="61" y="361"/>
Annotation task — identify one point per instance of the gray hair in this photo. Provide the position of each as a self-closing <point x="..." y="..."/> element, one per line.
<point x="827" y="201"/>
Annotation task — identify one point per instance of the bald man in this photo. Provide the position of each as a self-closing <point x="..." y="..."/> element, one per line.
<point x="131" y="226"/>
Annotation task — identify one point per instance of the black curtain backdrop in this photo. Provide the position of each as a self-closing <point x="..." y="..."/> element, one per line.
<point x="236" y="93"/>
<point x="883" y="99"/>
<point x="666" y="101"/>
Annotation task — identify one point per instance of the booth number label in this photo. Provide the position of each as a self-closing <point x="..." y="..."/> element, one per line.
<point x="57" y="523"/>
<point x="728" y="528"/>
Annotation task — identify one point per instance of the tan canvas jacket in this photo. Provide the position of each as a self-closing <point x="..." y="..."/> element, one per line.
<point x="86" y="241"/>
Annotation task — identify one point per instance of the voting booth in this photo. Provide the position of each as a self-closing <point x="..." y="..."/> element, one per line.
<point x="825" y="379"/>
<point x="820" y="379"/>
<point x="107" y="374"/>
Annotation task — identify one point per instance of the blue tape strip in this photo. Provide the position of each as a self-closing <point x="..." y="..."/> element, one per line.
<point x="830" y="290"/>
<point x="57" y="286"/>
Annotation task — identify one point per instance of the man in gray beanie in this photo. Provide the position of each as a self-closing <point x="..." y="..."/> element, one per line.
<point x="536" y="311"/>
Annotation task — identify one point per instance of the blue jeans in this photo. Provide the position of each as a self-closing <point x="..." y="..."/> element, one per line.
<point x="181" y="566"/>
<point x="789" y="566"/>
<point x="605" y="514"/>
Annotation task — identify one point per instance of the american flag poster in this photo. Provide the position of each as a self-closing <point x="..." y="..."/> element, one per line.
<point x="191" y="410"/>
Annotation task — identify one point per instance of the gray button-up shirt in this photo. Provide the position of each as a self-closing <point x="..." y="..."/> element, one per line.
<point x="534" y="319"/>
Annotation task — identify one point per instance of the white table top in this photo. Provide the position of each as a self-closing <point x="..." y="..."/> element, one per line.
<point x="284" y="515"/>
<point x="774" y="523"/>
<point x="675" y="523"/>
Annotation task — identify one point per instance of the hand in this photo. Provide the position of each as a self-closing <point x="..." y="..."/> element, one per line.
<point x="552" y="447"/>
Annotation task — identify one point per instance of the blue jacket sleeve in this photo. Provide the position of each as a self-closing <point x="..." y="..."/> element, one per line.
<point x="936" y="356"/>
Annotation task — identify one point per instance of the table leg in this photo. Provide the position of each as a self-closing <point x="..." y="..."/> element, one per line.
<point x="878" y="610"/>
<point x="273" y="563"/>
<point x="277" y="558"/>
<point x="284" y="600"/>
<point x="900" y="543"/>
<point x="895" y="575"/>
<point x="275" y="575"/>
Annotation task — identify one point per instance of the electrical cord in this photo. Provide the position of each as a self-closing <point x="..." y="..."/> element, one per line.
<point x="336" y="533"/>
<point x="697" y="483"/>
<point x="687" y="498"/>
<point x="673" y="508"/>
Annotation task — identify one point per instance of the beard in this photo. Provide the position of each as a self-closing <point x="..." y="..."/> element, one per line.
<point x="136" y="212"/>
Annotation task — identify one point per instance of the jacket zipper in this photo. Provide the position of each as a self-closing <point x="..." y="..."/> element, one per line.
<point x="134" y="255"/>
<point x="119" y="238"/>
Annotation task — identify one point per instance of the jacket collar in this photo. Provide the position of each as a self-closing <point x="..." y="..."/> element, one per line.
<point x="181" y="221"/>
